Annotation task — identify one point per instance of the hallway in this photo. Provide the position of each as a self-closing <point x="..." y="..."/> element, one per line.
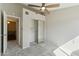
<point x="42" y="49"/>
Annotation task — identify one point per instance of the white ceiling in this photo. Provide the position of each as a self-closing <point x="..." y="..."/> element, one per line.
<point x="62" y="5"/>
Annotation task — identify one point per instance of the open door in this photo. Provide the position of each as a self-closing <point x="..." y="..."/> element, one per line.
<point x="4" y="32"/>
<point x="40" y="31"/>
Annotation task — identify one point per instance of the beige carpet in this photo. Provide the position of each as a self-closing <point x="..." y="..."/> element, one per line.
<point x="42" y="49"/>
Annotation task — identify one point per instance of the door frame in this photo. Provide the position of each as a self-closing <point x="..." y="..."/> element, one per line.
<point x="5" y="16"/>
<point x="6" y="19"/>
<point x="40" y="38"/>
<point x="17" y="33"/>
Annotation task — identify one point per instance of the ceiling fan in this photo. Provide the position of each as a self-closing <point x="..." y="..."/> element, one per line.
<point x="43" y="7"/>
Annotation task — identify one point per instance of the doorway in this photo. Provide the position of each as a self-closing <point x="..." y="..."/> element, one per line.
<point x="14" y="44"/>
<point x="36" y="31"/>
<point x="12" y="35"/>
<point x="11" y="29"/>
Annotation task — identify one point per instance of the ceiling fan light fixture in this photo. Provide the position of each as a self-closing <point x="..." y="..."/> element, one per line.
<point x="43" y="8"/>
<point x="8" y="22"/>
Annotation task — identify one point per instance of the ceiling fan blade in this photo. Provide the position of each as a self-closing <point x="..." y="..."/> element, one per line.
<point x="43" y="4"/>
<point x="46" y="11"/>
<point x="53" y="5"/>
<point x="33" y="5"/>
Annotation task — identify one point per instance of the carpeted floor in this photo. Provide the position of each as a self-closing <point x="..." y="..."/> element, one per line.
<point x="42" y="49"/>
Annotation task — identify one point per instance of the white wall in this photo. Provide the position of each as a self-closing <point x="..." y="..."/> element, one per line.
<point x="15" y="10"/>
<point x="27" y="35"/>
<point x="12" y="9"/>
<point x="62" y="25"/>
<point x="28" y="27"/>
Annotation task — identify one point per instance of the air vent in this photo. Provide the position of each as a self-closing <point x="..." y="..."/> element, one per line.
<point x="26" y="13"/>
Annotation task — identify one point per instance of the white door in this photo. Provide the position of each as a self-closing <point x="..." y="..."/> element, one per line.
<point x="40" y="31"/>
<point x="4" y="32"/>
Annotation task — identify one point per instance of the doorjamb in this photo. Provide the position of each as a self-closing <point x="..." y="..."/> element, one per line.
<point x="19" y="26"/>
